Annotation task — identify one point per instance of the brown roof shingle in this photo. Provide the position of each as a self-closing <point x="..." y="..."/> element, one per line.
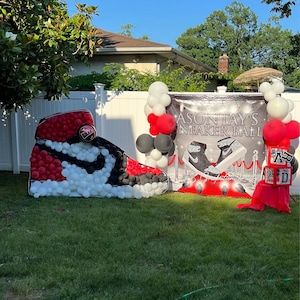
<point x="114" y="40"/>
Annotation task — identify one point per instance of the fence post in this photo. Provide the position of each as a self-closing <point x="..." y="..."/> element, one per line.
<point x="15" y="144"/>
<point x="100" y="98"/>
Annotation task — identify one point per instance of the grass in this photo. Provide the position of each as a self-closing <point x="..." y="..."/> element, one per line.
<point x="158" y="248"/>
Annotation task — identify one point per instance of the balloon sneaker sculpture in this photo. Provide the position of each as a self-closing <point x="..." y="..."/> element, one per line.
<point x="68" y="159"/>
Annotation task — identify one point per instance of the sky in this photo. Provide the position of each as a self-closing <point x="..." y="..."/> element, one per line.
<point x="163" y="21"/>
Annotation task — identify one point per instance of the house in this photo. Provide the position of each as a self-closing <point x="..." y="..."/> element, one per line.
<point x="142" y="55"/>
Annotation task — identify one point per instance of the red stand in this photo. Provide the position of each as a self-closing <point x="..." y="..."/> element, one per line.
<point x="277" y="197"/>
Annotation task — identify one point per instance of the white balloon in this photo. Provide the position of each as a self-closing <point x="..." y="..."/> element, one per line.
<point x="287" y="119"/>
<point x="165" y="100"/>
<point x="269" y="95"/>
<point x="275" y="79"/>
<point x="278" y="108"/>
<point x="90" y="157"/>
<point x="157" y="88"/>
<point x="291" y="104"/>
<point x="152" y="100"/>
<point x="66" y="146"/>
<point x="163" y="162"/>
<point x="48" y="143"/>
<point x="264" y="87"/>
<point x="278" y="87"/>
<point x="150" y="162"/>
<point x="156" y="154"/>
<point x="104" y="152"/>
<point x="159" y="109"/>
<point x="147" y="110"/>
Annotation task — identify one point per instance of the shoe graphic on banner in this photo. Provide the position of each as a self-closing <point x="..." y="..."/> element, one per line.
<point x="195" y="158"/>
<point x="231" y="151"/>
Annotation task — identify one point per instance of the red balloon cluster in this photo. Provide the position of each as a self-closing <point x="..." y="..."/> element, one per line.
<point x="164" y="124"/>
<point x="134" y="168"/>
<point x="293" y="130"/>
<point x="44" y="166"/>
<point x="61" y="127"/>
<point x="276" y="133"/>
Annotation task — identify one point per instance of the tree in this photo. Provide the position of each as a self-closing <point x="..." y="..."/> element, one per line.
<point x="292" y="78"/>
<point x="284" y="8"/>
<point x="236" y="32"/>
<point x="38" y="44"/>
<point x="127" y="29"/>
<point x="230" y="31"/>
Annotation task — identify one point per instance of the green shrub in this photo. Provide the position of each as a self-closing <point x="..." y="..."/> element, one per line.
<point x="293" y="79"/>
<point x="86" y="82"/>
<point x="119" y="78"/>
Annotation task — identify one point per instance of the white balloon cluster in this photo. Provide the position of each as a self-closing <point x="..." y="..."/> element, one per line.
<point x="158" y="99"/>
<point x="277" y="107"/>
<point x="82" y="151"/>
<point x="155" y="159"/>
<point x="79" y="183"/>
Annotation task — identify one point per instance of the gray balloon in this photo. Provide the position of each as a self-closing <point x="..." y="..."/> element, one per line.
<point x="292" y="149"/>
<point x="163" y="143"/>
<point x="145" y="143"/>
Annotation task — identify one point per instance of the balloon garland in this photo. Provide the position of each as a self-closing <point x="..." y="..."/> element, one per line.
<point x="158" y="145"/>
<point x="278" y="107"/>
<point x="281" y="164"/>
<point x="280" y="129"/>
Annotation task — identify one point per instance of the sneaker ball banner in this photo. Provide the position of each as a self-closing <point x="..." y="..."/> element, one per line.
<point x="219" y="143"/>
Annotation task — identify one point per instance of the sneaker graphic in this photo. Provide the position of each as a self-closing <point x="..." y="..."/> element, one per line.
<point x="195" y="158"/>
<point x="231" y="151"/>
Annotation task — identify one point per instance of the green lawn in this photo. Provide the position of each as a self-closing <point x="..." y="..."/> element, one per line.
<point x="158" y="248"/>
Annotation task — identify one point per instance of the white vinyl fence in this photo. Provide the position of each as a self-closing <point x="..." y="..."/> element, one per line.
<point x="119" y="118"/>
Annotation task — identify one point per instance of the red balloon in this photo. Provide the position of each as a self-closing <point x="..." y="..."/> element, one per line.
<point x="42" y="170"/>
<point x="292" y="129"/>
<point x="35" y="174"/>
<point x="166" y="124"/>
<point x="152" y="118"/>
<point x="274" y="132"/>
<point x="153" y="130"/>
<point x="285" y="144"/>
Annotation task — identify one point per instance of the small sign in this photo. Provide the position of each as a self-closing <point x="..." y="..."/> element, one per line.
<point x="280" y="157"/>
<point x="284" y="176"/>
<point x="278" y="176"/>
<point x="87" y="133"/>
<point x="269" y="175"/>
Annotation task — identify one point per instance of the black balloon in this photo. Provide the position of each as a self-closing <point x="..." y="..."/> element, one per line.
<point x="144" y="143"/>
<point x="163" y="143"/>
<point x="173" y="134"/>
<point x="294" y="165"/>
<point x="172" y="149"/>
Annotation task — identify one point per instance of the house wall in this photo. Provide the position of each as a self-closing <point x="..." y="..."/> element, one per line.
<point x="119" y="118"/>
<point x="142" y="63"/>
